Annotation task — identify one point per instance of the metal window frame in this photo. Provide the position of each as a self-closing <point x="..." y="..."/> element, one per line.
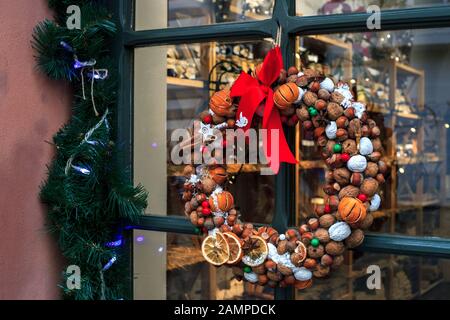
<point x="292" y="26"/>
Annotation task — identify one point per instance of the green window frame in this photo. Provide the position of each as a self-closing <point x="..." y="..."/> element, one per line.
<point x="292" y="26"/>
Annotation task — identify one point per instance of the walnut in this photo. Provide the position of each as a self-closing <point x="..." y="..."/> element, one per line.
<point x="354" y="128"/>
<point x="309" y="98"/>
<point x="334" y="110"/>
<point x="355" y="238"/>
<point x="316" y="252"/>
<point x="326" y="220"/>
<point x="371" y="170"/>
<point x="335" y="248"/>
<point x="337" y="97"/>
<point x="323" y="94"/>
<point x="342" y="176"/>
<point x="322" y="235"/>
<point x="349" y="191"/>
<point x="302" y="113"/>
<point x="349" y="146"/>
<point x="369" y="186"/>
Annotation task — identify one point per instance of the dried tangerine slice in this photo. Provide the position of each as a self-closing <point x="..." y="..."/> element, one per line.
<point x="215" y="249"/>
<point x="234" y="243"/>
<point x="257" y="251"/>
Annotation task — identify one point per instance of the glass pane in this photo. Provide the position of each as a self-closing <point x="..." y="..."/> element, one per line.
<point x="401" y="278"/>
<point x="171" y="266"/>
<point x="153" y="14"/>
<point x="402" y="77"/>
<point x="172" y="87"/>
<point x="324" y="7"/>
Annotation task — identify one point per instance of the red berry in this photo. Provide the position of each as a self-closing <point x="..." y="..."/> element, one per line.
<point x="205" y="204"/>
<point x="362" y="197"/>
<point x="206" y="211"/>
<point x="345" y="157"/>
<point x="204" y="149"/>
<point x="207" y="119"/>
<point x="224" y="143"/>
<point x="294" y="118"/>
<point x="327" y="208"/>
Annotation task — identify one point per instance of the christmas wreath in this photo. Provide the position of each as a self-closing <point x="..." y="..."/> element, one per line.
<point x="352" y="150"/>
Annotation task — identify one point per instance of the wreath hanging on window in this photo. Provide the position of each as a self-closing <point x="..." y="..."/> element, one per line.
<point x="351" y="148"/>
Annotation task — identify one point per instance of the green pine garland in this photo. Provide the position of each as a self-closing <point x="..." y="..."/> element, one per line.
<point x="84" y="210"/>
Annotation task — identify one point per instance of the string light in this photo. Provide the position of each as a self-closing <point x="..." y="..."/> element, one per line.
<point x="413" y="130"/>
<point x="401" y="170"/>
<point x="447" y="126"/>
<point x="110" y="263"/>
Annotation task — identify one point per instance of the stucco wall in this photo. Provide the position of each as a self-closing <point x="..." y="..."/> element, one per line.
<point x="32" y="108"/>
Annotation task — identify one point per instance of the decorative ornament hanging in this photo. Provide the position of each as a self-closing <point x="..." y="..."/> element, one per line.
<point x="340" y="126"/>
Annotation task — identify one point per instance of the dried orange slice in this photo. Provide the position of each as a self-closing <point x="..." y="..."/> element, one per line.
<point x="234" y="243"/>
<point x="215" y="249"/>
<point x="255" y="251"/>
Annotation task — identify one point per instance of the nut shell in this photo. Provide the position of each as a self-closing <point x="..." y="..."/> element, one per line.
<point x="335" y="248"/>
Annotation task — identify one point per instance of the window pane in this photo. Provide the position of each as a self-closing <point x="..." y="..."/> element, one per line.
<point x="324" y="7"/>
<point x="403" y="78"/>
<point x="172" y="87"/>
<point x="171" y="266"/>
<point x="401" y="278"/>
<point x="153" y="14"/>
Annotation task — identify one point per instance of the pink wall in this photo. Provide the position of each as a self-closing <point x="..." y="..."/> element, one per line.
<point x="32" y="108"/>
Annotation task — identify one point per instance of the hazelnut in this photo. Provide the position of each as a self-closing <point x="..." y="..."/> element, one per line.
<point x="349" y="146"/>
<point x="382" y="167"/>
<point x="218" y="221"/>
<point x="262" y="279"/>
<point x="270" y="265"/>
<point x="292" y="70"/>
<point x="292" y="78"/>
<point x="333" y="202"/>
<point x="329" y="147"/>
<point x="342" y="122"/>
<point x="313" y="223"/>
<point x="274" y="276"/>
<point x="380" y="178"/>
<point x="342" y="176"/>
<point x="310" y="263"/>
<point x="302" y="81"/>
<point x="377" y="145"/>
<point x="316" y="252"/>
<point x="282" y="247"/>
<point x="341" y="134"/>
<point x="302" y="113"/>
<point x="337" y="97"/>
<point x="371" y="169"/>
<point x="194" y="218"/>
<point x="225" y="228"/>
<point x="307" y="125"/>
<point x="355" y="238"/>
<point x="200" y="221"/>
<point x="371" y="123"/>
<point x="365" y="131"/>
<point x="326" y="260"/>
<point x="356" y="179"/>
<point x="231" y="123"/>
<point x="337" y="261"/>
<point x="317" y="121"/>
<point x="309" y="98"/>
<point x="335" y="248"/>
<point x="334" y="110"/>
<point x="289" y="111"/>
<point x="289" y="280"/>
<point x="291" y="234"/>
<point x="322" y="141"/>
<point x="349" y="191"/>
<point x="369" y="187"/>
<point x="374" y="156"/>
<point x="319" y="132"/>
<point x="237" y="229"/>
<point x="320" y="104"/>
<point x="291" y="245"/>
<point x="366" y="223"/>
<point x="200" y="197"/>
<point x="285" y="271"/>
<point x="314" y="86"/>
<point x="375" y="132"/>
<point x="322" y="235"/>
<point x="307" y="237"/>
<point x="259" y="269"/>
<point x="326" y="220"/>
<point x="303" y="228"/>
<point x="323" y="94"/>
<point x="349" y="113"/>
<point x="321" y="271"/>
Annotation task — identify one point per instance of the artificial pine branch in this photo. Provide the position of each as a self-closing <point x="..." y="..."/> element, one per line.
<point x="84" y="208"/>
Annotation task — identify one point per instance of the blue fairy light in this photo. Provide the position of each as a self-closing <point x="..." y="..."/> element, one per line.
<point x="83" y="170"/>
<point x="83" y="64"/>
<point x="113" y="244"/>
<point x="66" y="46"/>
<point x="110" y="263"/>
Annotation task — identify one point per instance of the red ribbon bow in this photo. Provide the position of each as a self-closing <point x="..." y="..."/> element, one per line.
<point x="253" y="92"/>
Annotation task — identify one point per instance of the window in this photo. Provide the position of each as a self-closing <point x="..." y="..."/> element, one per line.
<point x="166" y="56"/>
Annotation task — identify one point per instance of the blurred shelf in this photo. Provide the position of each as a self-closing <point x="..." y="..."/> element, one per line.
<point x="418" y="203"/>
<point x="235" y="10"/>
<point x="311" y="164"/>
<point x="331" y="41"/>
<point x="185" y="82"/>
<point x="415" y="160"/>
